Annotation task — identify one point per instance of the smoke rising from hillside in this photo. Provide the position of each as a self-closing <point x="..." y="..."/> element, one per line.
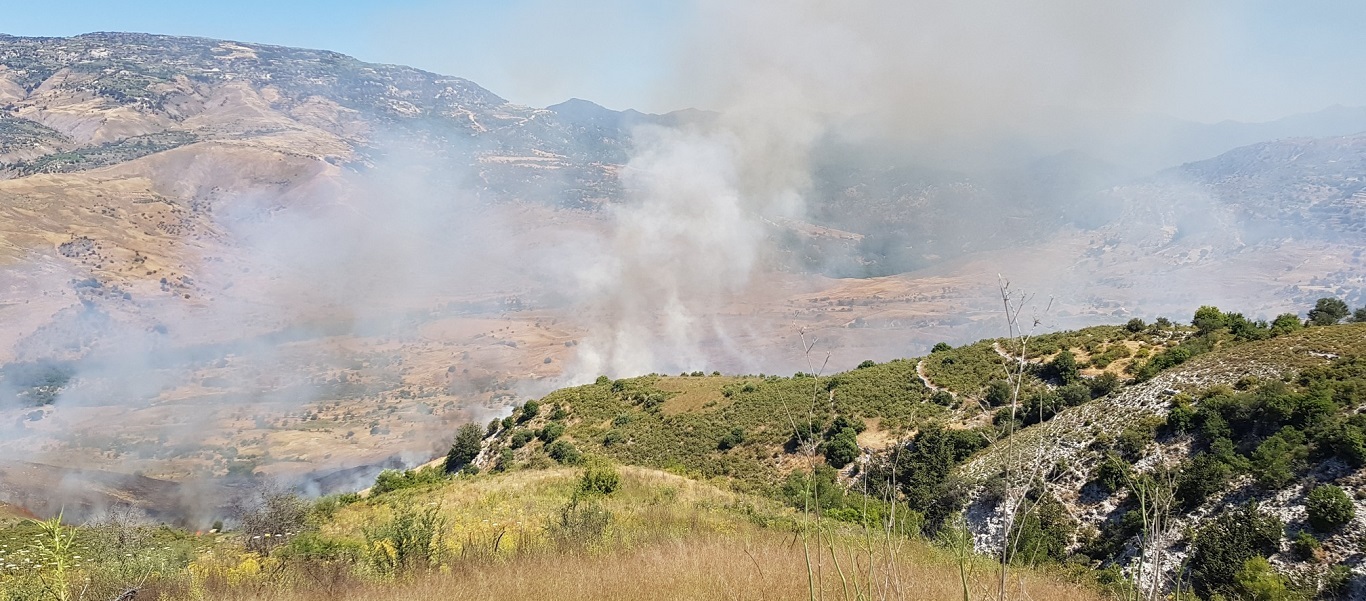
<point x="783" y="74"/>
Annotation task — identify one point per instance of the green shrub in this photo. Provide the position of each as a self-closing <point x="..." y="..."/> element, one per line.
<point x="1336" y="581"/>
<point x="1104" y="384"/>
<point x="468" y="441"/>
<point x="1223" y="547"/>
<point x="551" y="432"/>
<point x="1113" y="473"/>
<point x="1042" y="534"/>
<point x="732" y="439"/>
<point x="599" y="478"/>
<point x="520" y="437"/>
<point x="1208" y="319"/>
<point x="819" y="490"/>
<point x="391" y="480"/>
<point x="614" y="438"/>
<point x="1328" y="311"/>
<point x="1279" y="458"/>
<point x="1285" y="323"/>
<point x="1201" y="477"/>
<point x="528" y="412"/>
<point x="564" y="452"/>
<point x="1258" y="581"/>
<point x="998" y="393"/>
<point x="1304" y="546"/>
<point x="842" y="449"/>
<point x="581" y="523"/>
<point x="1329" y="507"/>
<point x="1064" y="368"/>
<point x="410" y="540"/>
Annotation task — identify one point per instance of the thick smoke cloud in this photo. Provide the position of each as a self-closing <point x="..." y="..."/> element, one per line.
<point x="784" y="75"/>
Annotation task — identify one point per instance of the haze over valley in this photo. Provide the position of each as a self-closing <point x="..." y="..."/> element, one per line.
<point x="223" y="260"/>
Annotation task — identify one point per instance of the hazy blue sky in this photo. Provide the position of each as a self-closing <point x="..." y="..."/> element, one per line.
<point x="1264" y="59"/>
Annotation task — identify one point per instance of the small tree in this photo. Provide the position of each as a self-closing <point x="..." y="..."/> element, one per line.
<point x="998" y="393"/>
<point x="468" y="440"/>
<point x="1208" y="319"/>
<point x="940" y="347"/>
<point x="1223" y="547"/>
<point x="1285" y="323"/>
<point x="1329" y="507"/>
<point x="1064" y="367"/>
<point x="551" y="432"/>
<point x="1360" y="315"/>
<point x="1328" y="311"/>
<point x="1135" y="325"/>
<point x="842" y="449"/>
<point x="564" y="452"/>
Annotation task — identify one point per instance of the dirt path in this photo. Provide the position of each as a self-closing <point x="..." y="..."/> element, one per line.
<point x="925" y="379"/>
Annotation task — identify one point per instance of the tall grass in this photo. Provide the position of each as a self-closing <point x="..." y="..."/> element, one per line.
<point x="750" y="565"/>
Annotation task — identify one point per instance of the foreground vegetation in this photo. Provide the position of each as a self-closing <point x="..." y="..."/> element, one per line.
<point x="1059" y="466"/>
<point x="595" y="533"/>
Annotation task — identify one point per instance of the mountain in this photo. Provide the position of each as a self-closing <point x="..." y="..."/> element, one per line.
<point x="251" y="258"/>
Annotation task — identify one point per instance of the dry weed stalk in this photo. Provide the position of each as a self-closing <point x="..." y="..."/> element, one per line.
<point x="1016" y="365"/>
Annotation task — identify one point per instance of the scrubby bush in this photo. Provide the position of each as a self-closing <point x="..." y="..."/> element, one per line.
<point x="998" y="393"/>
<point x="599" y="478"/>
<point x="468" y="440"/>
<point x="1305" y="546"/>
<point x="1336" y="581"/>
<point x="1135" y="325"/>
<point x="1329" y="507"/>
<point x="1208" y="319"/>
<point x="1113" y="473"/>
<point x="392" y="480"/>
<point x="1104" y="384"/>
<point x="551" y="432"/>
<point x="1285" y="323"/>
<point x="613" y="438"/>
<point x="564" y="452"/>
<point x="842" y="448"/>
<point x="520" y="437"/>
<point x="1042" y="534"/>
<point x="410" y="540"/>
<point x="271" y="518"/>
<point x="817" y="490"/>
<point x="1064" y="368"/>
<point x="732" y="439"/>
<point x="528" y="412"/>
<point x="581" y="523"/>
<point x="940" y="347"/>
<point x="1259" y="581"/>
<point x="1223" y="547"/>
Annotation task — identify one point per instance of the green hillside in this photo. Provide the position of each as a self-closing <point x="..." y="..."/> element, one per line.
<point x="1218" y="460"/>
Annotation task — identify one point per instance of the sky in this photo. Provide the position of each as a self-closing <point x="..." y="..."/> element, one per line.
<point x="1248" y="60"/>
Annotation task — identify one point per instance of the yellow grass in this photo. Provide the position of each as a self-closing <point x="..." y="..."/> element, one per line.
<point x="694" y="394"/>
<point x="670" y="538"/>
<point x="754" y="566"/>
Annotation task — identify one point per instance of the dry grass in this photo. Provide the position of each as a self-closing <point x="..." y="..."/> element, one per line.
<point x="670" y="538"/>
<point x="755" y="566"/>
<point x="694" y="394"/>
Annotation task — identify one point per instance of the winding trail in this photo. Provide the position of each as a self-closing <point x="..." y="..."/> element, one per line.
<point x="925" y="379"/>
